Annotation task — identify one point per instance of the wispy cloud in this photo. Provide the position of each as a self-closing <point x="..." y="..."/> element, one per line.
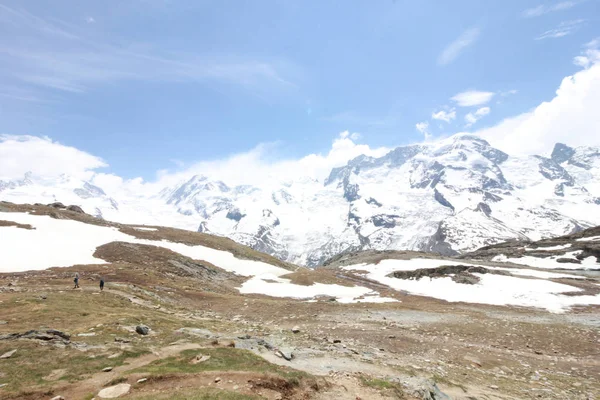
<point x="590" y="54"/>
<point x="453" y="50"/>
<point x="444" y="115"/>
<point x="471" y="118"/>
<point x="472" y="98"/>
<point x="547" y="8"/>
<point x="58" y="57"/>
<point x="563" y="29"/>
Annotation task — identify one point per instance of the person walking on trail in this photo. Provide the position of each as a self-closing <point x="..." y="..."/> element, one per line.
<point x="76" y="280"/>
<point x="101" y="283"/>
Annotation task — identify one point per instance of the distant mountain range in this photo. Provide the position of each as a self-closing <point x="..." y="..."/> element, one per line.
<point x="450" y="196"/>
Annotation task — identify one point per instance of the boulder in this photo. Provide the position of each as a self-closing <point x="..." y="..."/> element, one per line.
<point x="142" y="329"/>
<point x="285" y="353"/>
<point x="57" y="204"/>
<point x="113" y="392"/>
<point x="76" y="209"/>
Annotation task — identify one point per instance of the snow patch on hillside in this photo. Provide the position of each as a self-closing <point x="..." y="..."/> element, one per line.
<point x="551" y="262"/>
<point x="491" y="289"/>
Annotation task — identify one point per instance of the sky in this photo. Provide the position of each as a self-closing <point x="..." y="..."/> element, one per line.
<point x="152" y="88"/>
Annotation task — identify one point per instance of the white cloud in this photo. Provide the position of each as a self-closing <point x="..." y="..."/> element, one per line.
<point x="563" y="29"/>
<point x="471" y="118"/>
<point x="444" y="115"/>
<point x="423" y="127"/>
<point x="472" y="98"/>
<point x="590" y="55"/>
<point x="257" y="165"/>
<point x="547" y="8"/>
<point x="42" y="156"/>
<point x="571" y="117"/>
<point x="453" y="50"/>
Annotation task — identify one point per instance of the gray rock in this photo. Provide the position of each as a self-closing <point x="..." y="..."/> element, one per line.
<point x="8" y="354"/>
<point x="76" y="209"/>
<point x="296" y="329"/>
<point x="285" y="353"/>
<point x="142" y="329"/>
<point x="107" y="369"/>
<point x="113" y="392"/>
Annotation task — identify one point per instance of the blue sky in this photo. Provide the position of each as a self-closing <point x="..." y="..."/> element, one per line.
<point x="158" y="84"/>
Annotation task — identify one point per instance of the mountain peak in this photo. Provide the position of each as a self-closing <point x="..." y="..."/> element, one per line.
<point x="562" y="153"/>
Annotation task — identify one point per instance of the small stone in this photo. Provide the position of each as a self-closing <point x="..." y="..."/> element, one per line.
<point x="200" y="359"/>
<point x="3" y="322"/>
<point x="107" y="369"/>
<point x="217" y="380"/>
<point x="577" y="384"/>
<point x="8" y="354"/>
<point x="58" y="398"/>
<point x="142" y="380"/>
<point x="142" y="329"/>
<point x="122" y="340"/>
<point x="538" y="352"/>
<point x="113" y="392"/>
<point x="296" y="329"/>
<point x="494" y="387"/>
<point x="337" y="341"/>
<point x="116" y="355"/>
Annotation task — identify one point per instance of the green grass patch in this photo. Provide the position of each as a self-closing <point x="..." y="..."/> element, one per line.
<point x="199" y="394"/>
<point x="28" y="367"/>
<point x="221" y="359"/>
<point x="382" y="384"/>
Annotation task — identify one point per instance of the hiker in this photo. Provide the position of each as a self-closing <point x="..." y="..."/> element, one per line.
<point x="76" y="280"/>
<point x="101" y="283"/>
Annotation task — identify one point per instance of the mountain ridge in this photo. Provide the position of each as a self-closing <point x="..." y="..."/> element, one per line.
<point x="451" y="196"/>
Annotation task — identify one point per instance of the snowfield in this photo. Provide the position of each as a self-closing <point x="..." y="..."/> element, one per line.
<point x="550" y="262"/>
<point x="64" y="243"/>
<point x="492" y="289"/>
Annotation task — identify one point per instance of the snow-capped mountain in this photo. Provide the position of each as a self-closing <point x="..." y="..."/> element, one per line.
<point x="450" y="196"/>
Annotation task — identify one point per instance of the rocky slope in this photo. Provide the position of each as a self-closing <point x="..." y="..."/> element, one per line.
<point x="449" y="197"/>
